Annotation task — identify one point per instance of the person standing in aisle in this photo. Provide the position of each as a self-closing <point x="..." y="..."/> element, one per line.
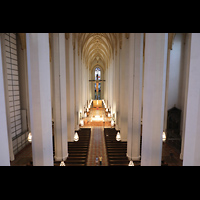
<point x="100" y="160"/>
<point x="97" y="160"/>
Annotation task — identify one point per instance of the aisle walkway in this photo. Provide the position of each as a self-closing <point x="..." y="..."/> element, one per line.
<point x="97" y="147"/>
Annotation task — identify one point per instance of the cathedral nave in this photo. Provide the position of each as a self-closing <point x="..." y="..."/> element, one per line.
<point x="99" y="99"/>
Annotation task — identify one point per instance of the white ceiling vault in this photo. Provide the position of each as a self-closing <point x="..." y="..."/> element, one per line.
<point x="92" y="47"/>
<point x="97" y="48"/>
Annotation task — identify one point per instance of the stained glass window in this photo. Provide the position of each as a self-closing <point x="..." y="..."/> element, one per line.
<point x="97" y="72"/>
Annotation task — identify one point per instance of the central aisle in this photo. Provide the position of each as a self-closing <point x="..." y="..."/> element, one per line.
<point x="97" y="120"/>
<point x="97" y="147"/>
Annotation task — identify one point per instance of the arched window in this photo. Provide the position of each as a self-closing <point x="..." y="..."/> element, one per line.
<point x="97" y="72"/>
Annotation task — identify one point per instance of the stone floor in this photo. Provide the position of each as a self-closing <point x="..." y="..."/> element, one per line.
<point x="23" y="157"/>
<point x="171" y="155"/>
<point x="97" y="147"/>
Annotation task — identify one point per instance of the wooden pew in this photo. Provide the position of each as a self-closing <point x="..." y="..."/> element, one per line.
<point x="116" y="150"/>
<point x="78" y="151"/>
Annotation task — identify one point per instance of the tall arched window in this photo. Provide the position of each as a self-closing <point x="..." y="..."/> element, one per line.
<point x="97" y="86"/>
<point x="97" y="72"/>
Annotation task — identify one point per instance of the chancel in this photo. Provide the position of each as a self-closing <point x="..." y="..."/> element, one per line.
<point x="99" y="99"/>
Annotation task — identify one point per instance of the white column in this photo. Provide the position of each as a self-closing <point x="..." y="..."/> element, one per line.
<point x="117" y="86"/>
<point x="70" y="89"/>
<point x="124" y="76"/>
<point x="154" y="97"/>
<point x="192" y="126"/>
<point x="40" y="98"/>
<point x="4" y="146"/>
<point x="60" y="100"/>
<point x="77" y="89"/>
<point x="135" y="95"/>
<point x="187" y="65"/>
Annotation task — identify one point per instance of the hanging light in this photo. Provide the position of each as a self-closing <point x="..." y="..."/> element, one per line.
<point x="29" y="137"/>
<point x="82" y="122"/>
<point x="118" y="136"/>
<point x="131" y="163"/>
<point x="163" y="137"/>
<point x="62" y="163"/>
<point x="76" y="137"/>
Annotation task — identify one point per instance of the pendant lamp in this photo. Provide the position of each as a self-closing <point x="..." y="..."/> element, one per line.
<point x="112" y="122"/>
<point x="131" y="163"/>
<point x="118" y="136"/>
<point x="76" y="137"/>
<point x="62" y="163"/>
<point x="29" y="137"/>
<point x="163" y="137"/>
<point x="82" y="122"/>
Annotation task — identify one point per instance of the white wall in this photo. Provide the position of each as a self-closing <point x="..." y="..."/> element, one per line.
<point x="176" y="69"/>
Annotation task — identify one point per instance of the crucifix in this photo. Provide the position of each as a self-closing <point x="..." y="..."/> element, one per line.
<point x="97" y="84"/>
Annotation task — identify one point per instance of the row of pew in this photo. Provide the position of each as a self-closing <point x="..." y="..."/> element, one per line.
<point x="78" y="151"/>
<point x="116" y="150"/>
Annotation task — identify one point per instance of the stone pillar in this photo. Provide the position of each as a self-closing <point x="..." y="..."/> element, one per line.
<point x="154" y="97"/>
<point x="117" y="86"/>
<point x="77" y="89"/>
<point x="70" y="89"/>
<point x="40" y="98"/>
<point x="124" y="77"/>
<point x="192" y="126"/>
<point x="4" y="146"/>
<point x="135" y="95"/>
<point x="60" y="100"/>
<point x="186" y="77"/>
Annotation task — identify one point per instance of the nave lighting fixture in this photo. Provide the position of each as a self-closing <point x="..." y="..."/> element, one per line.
<point x="76" y="137"/>
<point x="118" y="136"/>
<point x="82" y="122"/>
<point x="164" y="136"/>
<point x="112" y="122"/>
<point x="62" y="164"/>
<point x="29" y="137"/>
<point x="131" y="163"/>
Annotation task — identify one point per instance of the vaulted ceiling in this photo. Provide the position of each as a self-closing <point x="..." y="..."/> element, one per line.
<point x="97" y="47"/>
